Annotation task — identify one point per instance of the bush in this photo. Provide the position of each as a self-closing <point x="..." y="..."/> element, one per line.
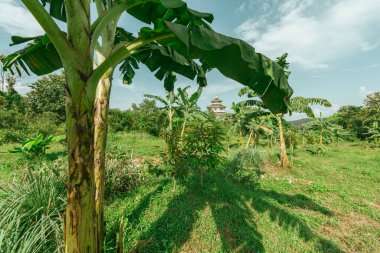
<point x="31" y="211"/>
<point x="45" y="123"/>
<point x="120" y="120"/>
<point x="245" y="166"/>
<point x="316" y="150"/>
<point x="203" y="145"/>
<point x="292" y="139"/>
<point x="123" y="174"/>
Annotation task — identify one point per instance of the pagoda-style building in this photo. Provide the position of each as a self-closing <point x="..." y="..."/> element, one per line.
<point x="217" y="107"/>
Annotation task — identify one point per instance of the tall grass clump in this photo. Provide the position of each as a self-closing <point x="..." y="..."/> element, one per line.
<point x="245" y="166"/>
<point x="31" y="211"/>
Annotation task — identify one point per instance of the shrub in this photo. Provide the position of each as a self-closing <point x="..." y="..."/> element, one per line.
<point x="45" y="123"/>
<point x="31" y="211"/>
<point x="311" y="138"/>
<point x="292" y="139"/>
<point x="123" y="174"/>
<point x="245" y="166"/>
<point x="316" y="150"/>
<point x="203" y="145"/>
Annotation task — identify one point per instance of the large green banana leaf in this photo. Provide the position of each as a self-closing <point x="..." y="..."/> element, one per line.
<point x="39" y="56"/>
<point x="235" y="59"/>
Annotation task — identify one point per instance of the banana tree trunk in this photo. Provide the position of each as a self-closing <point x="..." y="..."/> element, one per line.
<point x="100" y="140"/>
<point x="283" y="155"/>
<point x="249" y="138"/>
<point x="183" y="129"/>
<point x="80" y="217"/>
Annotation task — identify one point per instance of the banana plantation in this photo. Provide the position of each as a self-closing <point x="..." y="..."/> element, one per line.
<point x="109" y="141"/>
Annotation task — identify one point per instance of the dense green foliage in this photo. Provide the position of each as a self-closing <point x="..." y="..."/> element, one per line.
<point x="144" y="117"/>
<point x="203" y="145"/>
<point x="245" y="166"/>
<point x="360" y="119"/>
<point x="41" y="111"/>
<point x="47" y="95"/>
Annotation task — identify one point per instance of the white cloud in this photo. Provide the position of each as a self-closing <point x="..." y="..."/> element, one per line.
<point x="363" y="91"/>
<point x="314" y="33"/>
<point x="22" y="88"/>
<point x="221" y="87"/>
<point x="16" y="20"/>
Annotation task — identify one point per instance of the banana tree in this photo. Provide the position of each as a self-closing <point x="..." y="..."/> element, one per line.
<point x="90" y="51"/>
<point x="258" y="113"/>
<point x="253" y="102"/>
<point x="257" y="125"/>
<point x="323" y="127"/>
<point x="187" y="106"/>
<point x="169" y="111"/>
<point x="373" y="133"/>
<point x="172" y="149"/>
<point x="239" y="119"/>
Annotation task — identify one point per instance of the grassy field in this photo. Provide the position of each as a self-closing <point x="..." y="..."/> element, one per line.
<point x="328" y="203"/>
<point x="325" y="203"/>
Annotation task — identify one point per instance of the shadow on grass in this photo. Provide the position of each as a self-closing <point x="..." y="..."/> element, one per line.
<point x="233" y="208"/>
<point x="51" y="156"/>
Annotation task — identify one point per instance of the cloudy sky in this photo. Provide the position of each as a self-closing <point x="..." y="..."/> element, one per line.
<point x="333" y="46"/>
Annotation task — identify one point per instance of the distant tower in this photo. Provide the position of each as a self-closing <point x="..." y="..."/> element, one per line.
<point x="217" y="107"/>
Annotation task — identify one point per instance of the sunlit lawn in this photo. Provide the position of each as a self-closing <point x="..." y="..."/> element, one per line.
<point x="328" y="203"/>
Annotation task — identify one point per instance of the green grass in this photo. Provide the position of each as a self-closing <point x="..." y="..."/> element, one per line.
<point x="328" y="203"/>
<point x="11" y="164"/>
<point x="324" y="203"/>
<point x="136" y="143"/>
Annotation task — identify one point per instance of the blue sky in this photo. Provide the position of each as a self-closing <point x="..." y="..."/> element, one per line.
<point x="333" y="46"/>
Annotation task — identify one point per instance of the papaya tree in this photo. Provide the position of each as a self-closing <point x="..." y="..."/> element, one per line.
<point x="89" y="48"/>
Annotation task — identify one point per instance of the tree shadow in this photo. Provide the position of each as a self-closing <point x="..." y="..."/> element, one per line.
<point x="234" y="208"/>
<point x="169" y="232"/>
<point x="275" y="204"/>
<point x="51" y="156"/>
<point x="133" y="217"/>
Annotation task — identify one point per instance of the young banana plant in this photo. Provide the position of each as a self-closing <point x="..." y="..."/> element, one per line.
<point x="188" y="106"/>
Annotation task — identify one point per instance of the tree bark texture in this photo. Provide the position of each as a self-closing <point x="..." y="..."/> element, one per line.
<point x="100" y="140"/>
<point x="79" y="230"/>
